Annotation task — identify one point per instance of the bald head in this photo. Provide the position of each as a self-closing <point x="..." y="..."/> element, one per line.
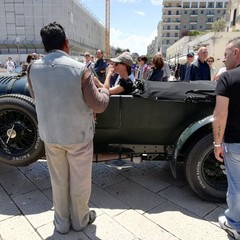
<point x="202" y="54"/>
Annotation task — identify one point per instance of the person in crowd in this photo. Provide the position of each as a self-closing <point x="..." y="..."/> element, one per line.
<point x="200" y="69"/>
<point x="124" y="82"/>
<point x="29" y="58"/>
<point x="92" y="58"/>
<point x="10" y="65"/>
<point x="87" y="60"/>
<point x="166" y="68"/>
<point x="114" y="75"/>
<point x="100" y="66"/>
<point x="157" y="73"/>
<point x="143" y="68"/>
<point x="65" y="97"/>
<point x="35" y="56"/>
<point x="226" y="132"/>
<point x="184" y="69"/>
<point x="25" y="64"/>
<point x="213" y="70"/>
<point x="176" y="71"/>
<point x="40" y="56"/>
<point x="220" y="71"/>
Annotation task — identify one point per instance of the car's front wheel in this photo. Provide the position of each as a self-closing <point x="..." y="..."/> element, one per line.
<point x="204" y="173"/>
<point x="20" y="143"/>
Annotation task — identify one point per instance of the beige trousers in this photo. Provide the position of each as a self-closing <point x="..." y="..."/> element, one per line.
<point x="70" y="168"/>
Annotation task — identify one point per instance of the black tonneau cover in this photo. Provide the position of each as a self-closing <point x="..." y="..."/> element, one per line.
<point x="177" y="90"/>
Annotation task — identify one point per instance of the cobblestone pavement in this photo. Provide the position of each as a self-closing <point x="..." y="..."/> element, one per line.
<point x="143" y="202"/>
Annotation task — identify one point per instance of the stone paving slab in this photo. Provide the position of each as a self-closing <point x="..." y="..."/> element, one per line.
<point x="141" y="203"/>
<point x="183" y="223"/>
<point x="17" y="228"/>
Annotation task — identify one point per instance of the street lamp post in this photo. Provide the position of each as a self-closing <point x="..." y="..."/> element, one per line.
<point x="18" y="39"/>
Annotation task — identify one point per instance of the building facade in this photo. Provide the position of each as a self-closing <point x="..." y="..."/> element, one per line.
<point x="21" y="21"/>
<point x="181" y="16"/>
<point x="233" y="10"/>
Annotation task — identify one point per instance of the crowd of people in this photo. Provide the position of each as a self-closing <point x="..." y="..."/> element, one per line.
<point x="195" y="68"/>
<point x="11" y="66"/>
<point x="201" y="68"/>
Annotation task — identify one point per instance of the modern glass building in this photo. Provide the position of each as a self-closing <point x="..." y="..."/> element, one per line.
<point x="21" y="21"/>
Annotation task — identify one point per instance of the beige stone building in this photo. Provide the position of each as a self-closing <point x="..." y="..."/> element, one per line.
<point x="181" y="16"/>
<point x="233" y="10"/>
<point x="214" y="41"/>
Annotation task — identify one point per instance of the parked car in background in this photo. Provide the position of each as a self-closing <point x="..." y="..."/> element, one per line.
<point x="159" y="121"/>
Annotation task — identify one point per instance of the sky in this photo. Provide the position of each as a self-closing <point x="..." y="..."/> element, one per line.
<point x="133" y="23"/>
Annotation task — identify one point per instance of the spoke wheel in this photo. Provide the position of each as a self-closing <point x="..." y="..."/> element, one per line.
<point x="20" y="143"/>
<point x="205" y="174"/>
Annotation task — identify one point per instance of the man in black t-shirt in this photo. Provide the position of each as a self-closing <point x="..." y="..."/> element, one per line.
<point x="226" y="131"/>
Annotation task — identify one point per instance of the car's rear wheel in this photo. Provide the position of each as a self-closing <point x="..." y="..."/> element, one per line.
<point x="204" y="173"/>
<point x="20" y="143"/>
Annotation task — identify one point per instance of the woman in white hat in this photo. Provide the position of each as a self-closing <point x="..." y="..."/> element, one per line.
<point x="124" y="83"/>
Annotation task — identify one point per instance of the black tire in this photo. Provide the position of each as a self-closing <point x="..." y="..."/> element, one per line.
<point x="204" y="173"/>
<point x="20" y="143"/>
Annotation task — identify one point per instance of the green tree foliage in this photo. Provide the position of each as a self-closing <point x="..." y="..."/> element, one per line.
<point x="119" y="50"/>
<point x="219" y="26"/>
<point x="195" y="33"/>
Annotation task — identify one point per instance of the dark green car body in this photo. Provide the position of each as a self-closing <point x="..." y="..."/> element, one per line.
<point x="159" y="121"/>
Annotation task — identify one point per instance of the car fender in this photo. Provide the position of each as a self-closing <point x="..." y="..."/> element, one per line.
<point x="185" y="135"/>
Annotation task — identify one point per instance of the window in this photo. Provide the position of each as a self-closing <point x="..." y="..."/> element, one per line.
<point x="211" y="5"/>
<point x="176" y="34"/>
<point x="234" y="17"/>
<point x="202" y="12"/>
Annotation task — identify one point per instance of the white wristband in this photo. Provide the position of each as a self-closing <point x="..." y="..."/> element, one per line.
<point x="216" y="145"/>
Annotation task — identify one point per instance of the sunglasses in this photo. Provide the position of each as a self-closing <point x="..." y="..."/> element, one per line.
<point x="189" y="56"/>
<point x="87" y="55"/>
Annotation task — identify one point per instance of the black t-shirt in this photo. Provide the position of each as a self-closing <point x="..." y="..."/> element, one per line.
<point x="127" y="84"/>
<point x="229" y="86"/>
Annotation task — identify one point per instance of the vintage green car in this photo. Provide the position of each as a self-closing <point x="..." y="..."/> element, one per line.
<point x="159" y="121"/>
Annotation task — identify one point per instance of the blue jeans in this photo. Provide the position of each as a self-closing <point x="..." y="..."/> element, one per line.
<point x="232" y="163"/>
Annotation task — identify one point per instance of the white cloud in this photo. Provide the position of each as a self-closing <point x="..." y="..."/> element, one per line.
<point x="156" y="2"/>
<point x="133" y="42"/>
<point x="140" y="13"/>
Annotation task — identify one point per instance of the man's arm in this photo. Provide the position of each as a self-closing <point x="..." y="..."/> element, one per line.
<point x="29" y="81"/>
<point x="219" y="124"/>
<point x="96" y="100"/>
